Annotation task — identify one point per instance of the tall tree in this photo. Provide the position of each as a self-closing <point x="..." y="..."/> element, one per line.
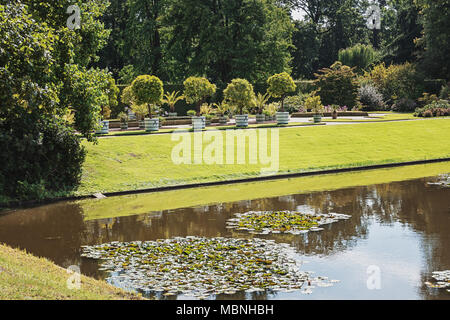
<point x="226" y="39"/>
<point x="435" y="18"/>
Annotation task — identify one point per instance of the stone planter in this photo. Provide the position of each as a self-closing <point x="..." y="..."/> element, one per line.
<point x="282" y="117"/>
<point x="124" y="125"/>
<point x="223" y="119"/>
<point x="317" y="118"/>
<point x="270" y="118"/>
<point x="334" y="115"/>
<point x="241" y="120"/>
<point x="198" y="123"/>
<point x="105" y="127"/>
<point x="152" y="124"/>
<point x="173" y="114"/>
<point x="141" y="125"/>
<point x="207" y="121"/>
<point x="260" y="118"/>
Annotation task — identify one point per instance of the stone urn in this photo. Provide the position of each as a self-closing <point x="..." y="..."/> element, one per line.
<point x="282" y="117"/>
<point x="198" y="123"/>
<point x="241" y="120"/>
<point x="104" y="127"/>
<point x="151" y="125"/>
<point x="260" y="118"/>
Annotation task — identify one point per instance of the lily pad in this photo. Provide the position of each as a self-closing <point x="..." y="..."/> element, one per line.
<point x="200" y="267"/>
<point x="293" y="222"/>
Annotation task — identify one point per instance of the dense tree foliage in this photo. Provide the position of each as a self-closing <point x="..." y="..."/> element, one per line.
<point x="46" y="92"/>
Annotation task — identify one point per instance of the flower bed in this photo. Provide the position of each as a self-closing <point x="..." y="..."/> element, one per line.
<point x="265" y="222"/>
<point x="201" y="267"/>
<point x="329" y="114"/>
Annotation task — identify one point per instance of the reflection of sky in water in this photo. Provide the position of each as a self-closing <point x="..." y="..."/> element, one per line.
<point x="394" y="249"/>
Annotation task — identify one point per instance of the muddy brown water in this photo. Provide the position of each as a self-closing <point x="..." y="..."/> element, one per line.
<point x="401" y="228"/>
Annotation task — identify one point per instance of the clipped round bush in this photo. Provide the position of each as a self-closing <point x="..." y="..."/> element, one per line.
<point x="370" y="98"/>
<point x="240" y="94"/>
<point x="148" y="90"/>
<point x="280" y="85"/>
<point x="197" y="89"/>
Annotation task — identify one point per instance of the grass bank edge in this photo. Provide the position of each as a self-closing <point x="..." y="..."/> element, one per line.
<point x="144" y="203"/>
<point x="27" y="277"/>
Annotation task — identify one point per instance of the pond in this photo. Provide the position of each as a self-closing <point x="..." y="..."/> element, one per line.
<point x="397" y="231"/>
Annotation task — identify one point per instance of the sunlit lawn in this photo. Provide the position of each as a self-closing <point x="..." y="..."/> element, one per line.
<point x="137" y="162"/>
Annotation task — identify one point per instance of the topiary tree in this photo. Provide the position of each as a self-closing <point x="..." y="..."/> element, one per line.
<point x="127" y="96"/>
<point x="196" y="90"/>
<point x="279" y="85"/>
<point x="240" y="94"/>
<point x="148" y="90"/>
<point x="337" y="85"/>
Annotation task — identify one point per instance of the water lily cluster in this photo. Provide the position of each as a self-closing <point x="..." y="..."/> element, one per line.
<point x="442" y="280"/>
<point x="293" y="222"/>
<point x="201" y="267"/>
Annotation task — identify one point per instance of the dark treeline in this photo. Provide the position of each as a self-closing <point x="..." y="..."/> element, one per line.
<point x="252" y="39"/>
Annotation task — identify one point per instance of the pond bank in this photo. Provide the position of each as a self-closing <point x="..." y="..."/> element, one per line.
<point x="25" y="277"/>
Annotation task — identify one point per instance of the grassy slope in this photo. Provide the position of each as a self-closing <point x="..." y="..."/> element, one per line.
<point x="145" y="161"/>
<point x="23" y="276"/>
<point x="143" y="203"/>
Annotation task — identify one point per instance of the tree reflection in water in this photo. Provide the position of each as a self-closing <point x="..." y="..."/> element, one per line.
<point x="57" y="231"/>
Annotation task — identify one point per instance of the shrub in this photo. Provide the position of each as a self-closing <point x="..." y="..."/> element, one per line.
<point x="404" y="105"/>
<point x="261" y="101"/>
<point x="34" y="166"/>
<point x="148" y="90"/>
<point x="359" y="56"/>
<point x="271" y="109"/>
<point x="445" y="92"/>
<point x="439" y="108"/>
<point x="240" y="94"/>
<point x="171" y="99"/>
<point x="427" y="99"/>
<point x="337" y="85"/>
<point x="206" y="109"/>
<point x="370" y="98"/>
<point x="197" y="89"/>
<point x="294" y="103"/>
<point x="314" y="104"/>
<point x="191" y="113"/>
<point x="123" y="117"/>
<point x="140" y="110"/>
<point x="397" y="81"/>
<point x="279" y="85"/>
<point x="127" y="96"/>
<point x="113" y="95"/>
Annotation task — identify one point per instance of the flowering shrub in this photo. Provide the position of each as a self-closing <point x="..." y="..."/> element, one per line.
<point x="370" y="98"/>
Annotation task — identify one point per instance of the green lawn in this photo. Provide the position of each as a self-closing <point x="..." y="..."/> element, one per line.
<point x="23" y="276"/>
<point x="137" y="162"/>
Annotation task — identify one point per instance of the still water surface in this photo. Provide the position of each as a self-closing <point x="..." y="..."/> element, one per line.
<point x="402" y="228"/>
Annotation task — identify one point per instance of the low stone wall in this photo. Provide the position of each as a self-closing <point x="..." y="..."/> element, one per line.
<point x="328" y="114"/>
